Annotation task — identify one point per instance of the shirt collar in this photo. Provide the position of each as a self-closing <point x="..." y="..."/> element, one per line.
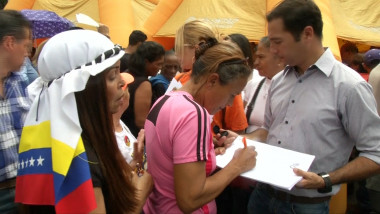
<point x="325" y="63"/>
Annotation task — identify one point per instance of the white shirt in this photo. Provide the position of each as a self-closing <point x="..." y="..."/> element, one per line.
<point x="256" y="119"/>
<point x="122" y="142"/>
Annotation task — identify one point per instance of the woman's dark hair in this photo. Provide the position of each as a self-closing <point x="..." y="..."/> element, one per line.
<point x="225" y="59"/>
<point x="244" y="45"/>
<point x="150" y="51"/>
<point x="296" y="15"/>
<point x="96" y="121"/>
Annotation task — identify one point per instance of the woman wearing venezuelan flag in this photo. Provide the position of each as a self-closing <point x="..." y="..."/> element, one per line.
<point x="68" y="155"/>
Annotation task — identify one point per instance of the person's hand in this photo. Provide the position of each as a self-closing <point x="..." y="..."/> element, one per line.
<point x="138" y="147"/>
<point x="144" y="184"/>
<point x="310" y="180"/>
<point x="245" y="158"/>
<point x="219" y="150"/>
<point x="223" y="142"/>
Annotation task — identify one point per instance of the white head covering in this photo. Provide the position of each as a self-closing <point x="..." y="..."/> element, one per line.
<point x="65" y="64"/>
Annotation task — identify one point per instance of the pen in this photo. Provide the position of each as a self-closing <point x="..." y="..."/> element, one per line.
<point x="245" y="142"/>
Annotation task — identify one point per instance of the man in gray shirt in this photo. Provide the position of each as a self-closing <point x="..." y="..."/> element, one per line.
<point x="316" y="106"/>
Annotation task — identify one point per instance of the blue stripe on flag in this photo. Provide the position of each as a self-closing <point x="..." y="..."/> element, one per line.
<point x="35" y="161"/>
<point x="78" y="173"/>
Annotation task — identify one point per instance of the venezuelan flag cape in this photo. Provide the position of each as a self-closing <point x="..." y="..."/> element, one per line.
<point x="53" y="167"/>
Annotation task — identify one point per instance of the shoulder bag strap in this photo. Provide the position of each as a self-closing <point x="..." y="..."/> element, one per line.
<point x="252" y="103"/>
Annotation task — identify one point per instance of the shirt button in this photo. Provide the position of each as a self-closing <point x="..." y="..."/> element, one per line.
<point x="279" y="142"/>
<point x="286" y="122"/>
<point x="300" y="81"/>
<point x="293" y="101"/>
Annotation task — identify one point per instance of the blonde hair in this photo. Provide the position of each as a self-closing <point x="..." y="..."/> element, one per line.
<point x="192" y="33"/>
<point x="37" y="54"/>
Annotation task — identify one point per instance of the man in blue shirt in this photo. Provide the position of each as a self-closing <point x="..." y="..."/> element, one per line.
<point x="318" y="106"/>
<point x="161" y="81"/>
<point x="15" y="41"/>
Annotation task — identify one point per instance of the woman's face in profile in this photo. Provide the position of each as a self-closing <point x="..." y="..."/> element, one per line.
<point x="152" y="68"/>
<point x="114" y="83"/>
<point x="266" y="62"/>
<point x="187" y="60"/>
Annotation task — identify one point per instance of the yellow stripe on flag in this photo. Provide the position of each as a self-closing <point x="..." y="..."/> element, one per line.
<point x="62" y="155"/>
<point x="35" y="137"/>
<point x="39" y="136"/>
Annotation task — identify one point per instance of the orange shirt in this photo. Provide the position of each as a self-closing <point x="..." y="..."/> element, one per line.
<point x="183" y="77"/>
<point x="232" y="117"/>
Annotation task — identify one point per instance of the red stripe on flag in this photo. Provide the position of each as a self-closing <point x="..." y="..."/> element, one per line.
<point x="81" y="200"/>
<point x="35" y="189"/>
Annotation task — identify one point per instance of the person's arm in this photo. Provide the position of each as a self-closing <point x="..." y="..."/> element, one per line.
<point x="143" y="101"/>
<point x="101" y="207"/>
<point x="357" y="169"/>
<point x="193" y="189"/>
<point x="362" y="126"/>
<point x="259" y="134"/>
<point x="144" y="186"/>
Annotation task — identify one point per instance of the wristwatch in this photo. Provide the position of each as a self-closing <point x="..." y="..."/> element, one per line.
<point x="328" y="184"/>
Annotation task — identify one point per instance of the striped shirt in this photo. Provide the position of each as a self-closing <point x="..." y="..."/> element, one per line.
<point x="14" y="107"/>
<point x="177" y="131"/>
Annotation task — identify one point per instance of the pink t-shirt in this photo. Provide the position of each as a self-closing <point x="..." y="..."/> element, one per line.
<point x="177" y="131"/>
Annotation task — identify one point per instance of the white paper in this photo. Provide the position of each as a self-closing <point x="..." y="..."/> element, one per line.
<point x="174" y="85"/>
<point x="84" y="19"/>
<point x="274" y="165"/>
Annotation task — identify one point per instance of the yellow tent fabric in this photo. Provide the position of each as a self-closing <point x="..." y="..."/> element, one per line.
<point x="357" y="21"/>
<point x="347" y="19"/>
<point x="158" y="17"/>
<point x="239" y="16"/>
<point x="118" y="16"/>
<point x="19" y="4"/>
<point x="142" y="11"/>
<point x="247" y="17"/>
<point x="69" y="9"/>
<point x="329" y="35"/>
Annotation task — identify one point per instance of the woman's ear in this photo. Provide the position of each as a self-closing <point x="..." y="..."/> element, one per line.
<point x="212" y="79"/>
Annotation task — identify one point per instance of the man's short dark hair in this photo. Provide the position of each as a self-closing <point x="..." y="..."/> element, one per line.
<point x="13" y="23"/>
<point x="296" y="15"/>
<point x="136" y="37"/>
<point x="349" y="47"/>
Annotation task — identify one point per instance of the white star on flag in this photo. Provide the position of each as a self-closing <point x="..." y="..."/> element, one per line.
<point x="40" y="160"/>
<point x="31" y="161"/>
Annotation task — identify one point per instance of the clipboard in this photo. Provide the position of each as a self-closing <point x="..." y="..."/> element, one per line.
<point x="274" y="165"/>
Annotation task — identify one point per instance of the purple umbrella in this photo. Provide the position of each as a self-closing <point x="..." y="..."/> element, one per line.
<point x="46" y="23"/>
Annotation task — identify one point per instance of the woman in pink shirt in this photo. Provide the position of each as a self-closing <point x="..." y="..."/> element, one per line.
<point x="179" y="142"/>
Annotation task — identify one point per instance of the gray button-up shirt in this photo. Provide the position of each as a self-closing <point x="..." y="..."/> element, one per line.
<point x="324" y="112"/>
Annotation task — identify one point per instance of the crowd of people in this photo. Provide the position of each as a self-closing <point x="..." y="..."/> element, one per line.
<point x="90" y="127"/>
